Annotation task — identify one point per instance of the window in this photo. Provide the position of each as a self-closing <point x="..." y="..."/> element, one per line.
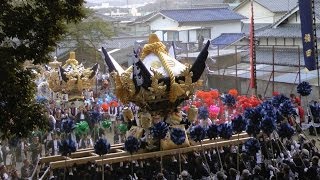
<point x="172" y="36"/>
<point x="206" y="33"/>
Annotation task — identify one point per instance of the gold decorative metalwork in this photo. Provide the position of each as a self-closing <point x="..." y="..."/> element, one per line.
<point x="78" y="77"/>
<point x="125" y="89"/>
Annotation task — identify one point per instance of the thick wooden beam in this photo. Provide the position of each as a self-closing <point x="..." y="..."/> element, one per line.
<point x="79" y="153"/>
<point x="119" y="155"/>
<point x="169" y="152"/>
<point x="84" y="160"/>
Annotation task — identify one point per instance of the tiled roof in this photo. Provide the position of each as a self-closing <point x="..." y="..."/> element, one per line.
<point x="226" y="39"/>
<point x="202" y="15"/>
<point x="285" y="31"/>
<point x="122" y="42"/>
<point x="296" y="9"/>
<point x="317" y="8"/>
<point x="142" y="19"/>
<point x="257" y="27"/>
<point x="278" y="5"/>
<point x="275" y="6"/>
<point x="282" y="56"/>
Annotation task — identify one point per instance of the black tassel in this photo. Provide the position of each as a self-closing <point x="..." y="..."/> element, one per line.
<point x="200" y="63"/>
<point x="108" y="61"/>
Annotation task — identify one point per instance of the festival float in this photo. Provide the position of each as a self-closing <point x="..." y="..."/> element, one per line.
<point x="70" y="81"/>
<point x="158" y="84"/>
<point x="162" y="86"/>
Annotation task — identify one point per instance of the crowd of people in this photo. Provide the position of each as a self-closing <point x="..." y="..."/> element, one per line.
<point x="295" y="158"/>
<point x="22" y="155"/>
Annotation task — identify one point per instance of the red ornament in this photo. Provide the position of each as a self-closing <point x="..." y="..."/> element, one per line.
<point x="214" y="94"/>
<point x="233" y="92"/>
<point x="105" y="107"/>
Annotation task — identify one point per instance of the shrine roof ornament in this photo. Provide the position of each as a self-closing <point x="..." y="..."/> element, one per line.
<point x="71" y="78"/>
<point x="156" y="81"/>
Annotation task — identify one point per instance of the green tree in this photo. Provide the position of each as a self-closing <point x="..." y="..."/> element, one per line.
<point x="29" y="30"/>
<point x="88" y="35"/>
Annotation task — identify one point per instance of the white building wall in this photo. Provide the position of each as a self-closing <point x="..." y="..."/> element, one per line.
<point x="225" y="27"/>
<point x="289" y="41"/>
<point x="280" y="41"/>
<point x="271" y="41"/>
<point x="262" y="41"/>
<point x="216" y="28"/>
<point x="294" y="18"/>
<point x="161" y="22"/>
<point x="261" y="14"/>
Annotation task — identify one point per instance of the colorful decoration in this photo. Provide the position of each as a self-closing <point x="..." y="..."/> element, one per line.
<point x="233" y="92"/>
<point x="132" y="144"/>
<point x="229" y="100"/>
<point x="67" y="147"/>
<point x="122" y="128"/>
<point x="102" y="147"/>
<point x="248" y="102"/>
<point x="106" y="124"/>
<point x="285" y="131"/>
<point x="212" y="131"/>
<point x="82" y="127"/>
<point x="278" y="99"/>
<point x="252" y="146"/>
<point x="239" y="124"/>
<point x="286" y="109"/>
<point x="214" y="94"/>
<point x="197" y="133"/>
<point x="304" y="88"/>
<point x="253" y="115"/>
<point x="214" y="111"/>
<point x="178" y="136"/>
<point x="68" y="125"/>
<point x="105" y="107"/>
<point x="159" y="130"/>
<point x="203" y="113"/>
<point x="253" y="129"/>
<point x="114" y="104"/>
<point x="268" y="125"/>
<point x="225" y="130"/>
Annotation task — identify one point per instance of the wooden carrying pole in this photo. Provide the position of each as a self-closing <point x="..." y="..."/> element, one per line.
<point x="119" y="155"/>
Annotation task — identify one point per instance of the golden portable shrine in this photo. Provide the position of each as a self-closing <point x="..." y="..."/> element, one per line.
<point x="158" y="84"/>
<point x="71" y="79"/>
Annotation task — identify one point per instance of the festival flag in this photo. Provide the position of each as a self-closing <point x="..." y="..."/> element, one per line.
<point x="306" y="10"/>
